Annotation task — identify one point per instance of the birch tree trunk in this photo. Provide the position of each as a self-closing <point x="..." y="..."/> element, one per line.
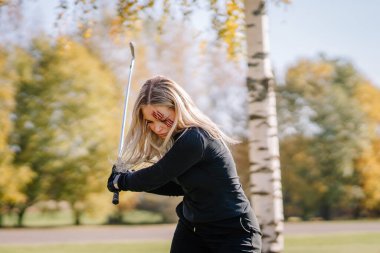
<point x="265" y="173"/>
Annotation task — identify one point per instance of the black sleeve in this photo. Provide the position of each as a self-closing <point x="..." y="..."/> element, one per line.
<point x="186" y="151"/>
<point x="169" y="189"/>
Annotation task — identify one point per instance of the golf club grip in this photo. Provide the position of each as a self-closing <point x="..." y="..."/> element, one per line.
<point x="115" y="199"/>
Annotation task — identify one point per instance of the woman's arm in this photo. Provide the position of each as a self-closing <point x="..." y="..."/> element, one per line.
<point x="169" y="189"/>
<point x="186" y="151"/>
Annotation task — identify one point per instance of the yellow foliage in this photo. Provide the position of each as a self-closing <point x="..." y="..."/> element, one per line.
<point x="369" y="99"/>
<point x="12" y="181"/>
<point x="369" y="162"/>
<point x="310" y="70"/>
<point x="6" y="104"/>
<point x="87" y="33"/>
<point x="71" y="134"/>
<point x="231" y="30"/>
<point x="307" y="73"/>
<point x="369" y="167"/>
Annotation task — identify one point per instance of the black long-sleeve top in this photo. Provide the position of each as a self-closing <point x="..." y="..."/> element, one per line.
<point x="202" y="170"/>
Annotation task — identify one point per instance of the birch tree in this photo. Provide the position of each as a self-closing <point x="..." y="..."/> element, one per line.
<point x="265" y="177"/>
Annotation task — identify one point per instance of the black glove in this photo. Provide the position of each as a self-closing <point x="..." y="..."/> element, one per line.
<point x="110" y="183"/>
<point x="116" y="181"/>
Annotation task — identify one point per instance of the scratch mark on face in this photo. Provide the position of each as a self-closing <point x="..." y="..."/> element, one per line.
<point x="159" y="116"/>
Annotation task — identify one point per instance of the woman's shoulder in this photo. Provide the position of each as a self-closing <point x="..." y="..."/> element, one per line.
<point x="193" y="130"/>
<point x="191" y="138"/>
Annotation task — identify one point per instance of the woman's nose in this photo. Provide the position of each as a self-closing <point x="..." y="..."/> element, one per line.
<point x="158" y="128"/>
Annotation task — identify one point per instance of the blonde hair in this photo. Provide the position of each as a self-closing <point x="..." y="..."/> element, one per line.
<point x="141" y="144"/>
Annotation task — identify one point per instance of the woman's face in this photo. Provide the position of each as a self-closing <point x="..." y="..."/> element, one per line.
<point x="159" y="119"/>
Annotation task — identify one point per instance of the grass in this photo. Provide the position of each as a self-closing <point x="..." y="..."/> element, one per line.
<point x="148" y="247"/>
<point x="332" y="243"/>
<point x="63" y="218"/>
<point x="32" y="219"/>
<point x="328" y="243"/>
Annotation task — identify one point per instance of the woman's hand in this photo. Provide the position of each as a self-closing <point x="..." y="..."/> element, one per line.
<point x="112" y="183"/>
<point x="114" y="180"/>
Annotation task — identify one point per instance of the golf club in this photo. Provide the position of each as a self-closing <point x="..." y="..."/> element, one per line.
<point x="115" y="199"/>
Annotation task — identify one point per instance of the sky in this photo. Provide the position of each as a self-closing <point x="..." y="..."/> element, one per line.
<point x="338" y="28"/>
<point x="305" y="28"/>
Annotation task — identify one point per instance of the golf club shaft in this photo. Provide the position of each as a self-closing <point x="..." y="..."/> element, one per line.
<point x="121" y="142"/>
<point x="115" y="199"/>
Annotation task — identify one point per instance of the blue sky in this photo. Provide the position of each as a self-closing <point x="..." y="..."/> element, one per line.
<point x="338" y="28"/>
<point x="304" y="28"/>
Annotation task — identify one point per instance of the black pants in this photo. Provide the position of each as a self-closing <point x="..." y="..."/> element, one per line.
<point x="226" y="236"/>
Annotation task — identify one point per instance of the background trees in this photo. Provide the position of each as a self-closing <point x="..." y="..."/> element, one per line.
<point x="368" y="163"/>
<point x="65" y="122"/>
<point x="324" y="133"/>
<point x="13" y="178"/>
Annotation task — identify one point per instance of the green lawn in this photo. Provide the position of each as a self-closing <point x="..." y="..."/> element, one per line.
<point x="149" y="247"/>
<point x="62" y="218"/>
<point x="333" y="243"/>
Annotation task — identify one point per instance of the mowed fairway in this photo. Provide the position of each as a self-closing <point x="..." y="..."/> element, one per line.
<point x="141" y="247"/>
<point x="331" y="243"/>
<point x="311" y="237"/>
<point x="334" y="243"/>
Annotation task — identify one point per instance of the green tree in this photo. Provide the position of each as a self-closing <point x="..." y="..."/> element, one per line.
<point x="12" y="178"/>
<point x="317" y="103"/>
<point x="66" y="122"/>
<point x="301" y="177"/>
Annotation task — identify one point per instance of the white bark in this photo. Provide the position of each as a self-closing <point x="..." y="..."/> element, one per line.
<point x="265" y="173"/>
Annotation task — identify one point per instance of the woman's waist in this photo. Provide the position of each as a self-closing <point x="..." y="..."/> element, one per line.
<point x="203" y="213"/>
<point x="233" y="224"/>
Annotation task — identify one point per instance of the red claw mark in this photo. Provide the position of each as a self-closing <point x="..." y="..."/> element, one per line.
<point x="159" y="116"/>
<point x="169" y="122"/>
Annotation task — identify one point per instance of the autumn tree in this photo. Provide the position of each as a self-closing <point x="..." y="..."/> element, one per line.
<point x="368" y="164"/>
<point x="66" y="121"/>
<point x="13" y="178"/>
<point x="301" y="177"/>
<point x="322" y="118"/>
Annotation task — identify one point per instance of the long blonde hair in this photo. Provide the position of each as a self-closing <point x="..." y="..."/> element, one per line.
<point x="141" y="144"/>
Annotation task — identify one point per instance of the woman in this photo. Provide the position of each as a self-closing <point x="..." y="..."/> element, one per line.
<point x="193" y="161"/>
